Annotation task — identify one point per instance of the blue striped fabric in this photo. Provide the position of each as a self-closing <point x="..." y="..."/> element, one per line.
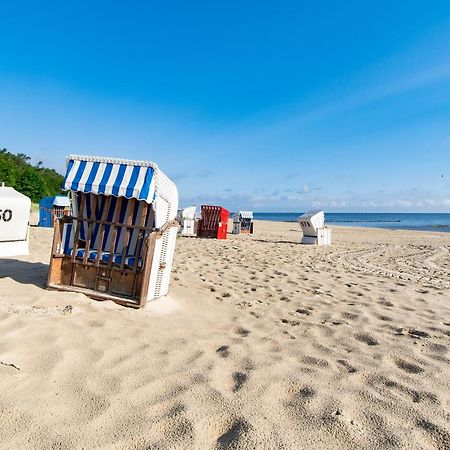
<point x="108" y="178"/>
<point x="129" y="239"/>
<point x="100" y="178"/>
<point x="127" y="208"/>
<point x="117" y="259"/>
<point x="67" y="238"/>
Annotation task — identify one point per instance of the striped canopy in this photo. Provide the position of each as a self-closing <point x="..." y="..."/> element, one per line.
<point x="246" y="214"/>
<point x="110" y="176"/>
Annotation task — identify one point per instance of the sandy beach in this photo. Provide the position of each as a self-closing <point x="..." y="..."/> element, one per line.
<point x="262" y="344"/>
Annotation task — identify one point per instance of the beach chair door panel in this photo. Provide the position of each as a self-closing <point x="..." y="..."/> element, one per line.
<point x="122" y="283"/>
<point x="84" y="277"/>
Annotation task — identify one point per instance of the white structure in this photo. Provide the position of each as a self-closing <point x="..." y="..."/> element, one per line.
<point x="14" y="221"/>
<point x="188" y="222"/>
<point x="314" y="229"/>
<point x="120" y="241"/>
<point x="242" y="222"/>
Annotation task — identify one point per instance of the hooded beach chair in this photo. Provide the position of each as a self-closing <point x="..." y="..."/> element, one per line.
<point x="51" y="208"/>
<point x="119" y="242"/>
<point x="14" y="221"/>
<point x="188" y="222"/>
<point x="243" y="222"/>
<point x="214" y="222"/>
<point x="314" y="230"/>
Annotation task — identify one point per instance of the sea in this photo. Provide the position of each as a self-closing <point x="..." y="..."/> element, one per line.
<point x="396" y="221"/>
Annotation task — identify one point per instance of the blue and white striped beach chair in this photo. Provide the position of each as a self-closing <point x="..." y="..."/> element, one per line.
<point x="119" y="242"/>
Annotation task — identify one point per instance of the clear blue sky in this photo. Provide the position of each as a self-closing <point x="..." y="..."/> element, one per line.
<point x="272" y="106"/>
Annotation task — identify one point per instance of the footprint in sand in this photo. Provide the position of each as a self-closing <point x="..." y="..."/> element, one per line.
<point x="408" y="367"/>
<point x="307" y="392"/>
<point x="242" y="331"/>
<point x="346" y="366"/>
<point x="233" y="437"/>
<point x="440" y="436"/>
<point x="313" y="361"/>
<point x="223" y="351"/>
<point x="239" y="378"/>
<point x="438" y="348"/>
<point x="290" y="336"/>
<point x="357" y="293"/>
<point x="386" y="303"/>
<point x="366" y="339"/>
<point x="384" y="318"/>
<point x="418" y="333"/>
<point x="349" y="315"/>
<point x="244" y="305"/>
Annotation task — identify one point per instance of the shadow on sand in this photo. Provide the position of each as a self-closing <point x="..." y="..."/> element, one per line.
<point x="24" y="272"/>
<point x="268" y="241"/>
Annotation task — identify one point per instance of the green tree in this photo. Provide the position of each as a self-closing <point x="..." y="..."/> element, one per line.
<point x="34" y="181"/>
<point x="31" y="184"/>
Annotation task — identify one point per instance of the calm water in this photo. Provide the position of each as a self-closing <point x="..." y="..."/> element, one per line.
<point x="410" y="221"/>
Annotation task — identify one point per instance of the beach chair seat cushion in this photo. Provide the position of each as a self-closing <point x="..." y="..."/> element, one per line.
<point x="117" y="259"/>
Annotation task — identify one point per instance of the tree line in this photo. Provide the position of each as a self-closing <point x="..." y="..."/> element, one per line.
<point x="33" y="181"/>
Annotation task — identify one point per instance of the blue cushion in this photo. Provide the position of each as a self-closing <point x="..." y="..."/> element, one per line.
<point x="117" y="259"/>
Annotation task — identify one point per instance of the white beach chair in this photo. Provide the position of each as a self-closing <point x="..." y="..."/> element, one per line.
<point x="314" y="230"/>
<point x="119" y="242"/>
<point x="188" y="222"/>
<point x="243" y="222"/>
<point x="14" y="222"/>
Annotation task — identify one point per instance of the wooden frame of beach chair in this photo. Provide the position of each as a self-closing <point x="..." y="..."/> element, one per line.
<point x="111" y="247"/>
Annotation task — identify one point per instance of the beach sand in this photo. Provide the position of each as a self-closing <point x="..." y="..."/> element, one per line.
<point x="263" y="343"/>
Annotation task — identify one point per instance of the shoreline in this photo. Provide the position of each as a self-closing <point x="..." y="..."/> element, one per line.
<point x="358" y="228"/>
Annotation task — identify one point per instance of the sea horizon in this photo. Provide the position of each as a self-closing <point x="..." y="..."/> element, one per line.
<point x="400" y="221"/>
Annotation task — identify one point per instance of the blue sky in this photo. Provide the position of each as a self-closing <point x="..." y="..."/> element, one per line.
<point x="271" y="106"/>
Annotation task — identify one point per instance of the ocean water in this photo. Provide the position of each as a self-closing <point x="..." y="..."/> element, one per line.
<point x="400" y="221"/>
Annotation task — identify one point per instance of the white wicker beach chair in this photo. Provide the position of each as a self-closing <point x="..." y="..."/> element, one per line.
<point x="314" y="230"/>
<point x="188" y="222"/>
<point x="243" y="222"/>
<point x="14" y="221"/>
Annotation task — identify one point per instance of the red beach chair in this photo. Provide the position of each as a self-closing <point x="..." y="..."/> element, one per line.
<point x="214" y="222"/>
